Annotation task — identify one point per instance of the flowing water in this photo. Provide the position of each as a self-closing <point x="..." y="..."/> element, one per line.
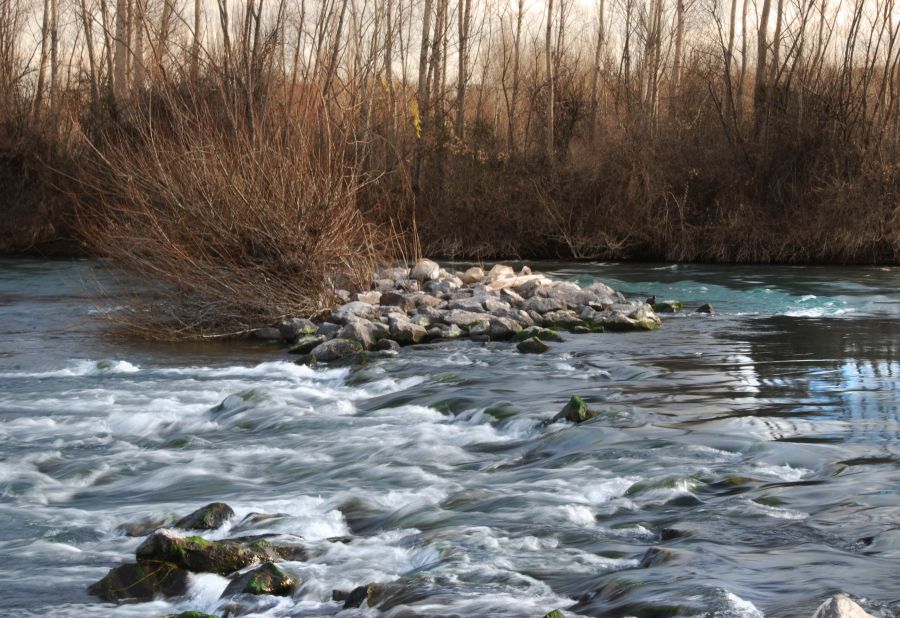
<point x="761" y="443"/>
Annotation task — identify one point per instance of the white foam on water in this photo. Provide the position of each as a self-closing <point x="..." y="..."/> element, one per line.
<point x="79" y="368"/>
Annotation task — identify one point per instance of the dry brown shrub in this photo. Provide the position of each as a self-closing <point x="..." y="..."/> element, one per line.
<point x="227" y="225"/>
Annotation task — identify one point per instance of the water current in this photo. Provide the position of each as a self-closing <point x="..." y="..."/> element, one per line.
<point x="761" y="443"/>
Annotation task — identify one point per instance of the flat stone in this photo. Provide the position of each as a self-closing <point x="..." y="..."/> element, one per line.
<point x="466" y="304"/>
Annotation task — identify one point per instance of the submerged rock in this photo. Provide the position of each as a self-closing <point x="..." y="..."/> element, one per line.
<point x="264" y="579"/>
<point x="306" y="344"/>
<point x="532" y="346"/>
<point x="841" y="606"/>
<point x="207" y="517"/>
<point x="705" y="308"/>
<point x="361" y="594"/>
<point x="141" y="582"/>
<point x="268" y="333"/>
<point x="191" y="614"/>
<point x="656" y="556"/>
<point x="544" y="334"/>
<point x="195" y="553"/>
<point x="143" y="527"/>
<point x="575" y="411"/>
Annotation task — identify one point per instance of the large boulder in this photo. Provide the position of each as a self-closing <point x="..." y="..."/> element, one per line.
<point x="465" y="319"/>
<point x="267" y="578"/>
<point x="404" y="331"/>
<point x="195" y="553"/>
<point x="295" y="327"/>
<point x="544" y="334"/>
<point x="425" y="270"/>
<point x="207" y="517"/>
<point x="498" y="273"/>
<point x="532" y="346"/>
<point x="362" y="331"/>
<point x="141" y="582"/>
<point x="472" y="275"/>
<point x="503" y="328"/>
<point x="353" y="311"/>
<point x="335" y="349"/>
<point x="841" y="606"/>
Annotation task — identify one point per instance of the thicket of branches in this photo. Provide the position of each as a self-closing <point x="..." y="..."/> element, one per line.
<point x="734" y="130"/>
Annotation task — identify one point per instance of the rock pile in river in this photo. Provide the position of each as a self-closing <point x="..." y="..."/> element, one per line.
<point x="425" y="303"/>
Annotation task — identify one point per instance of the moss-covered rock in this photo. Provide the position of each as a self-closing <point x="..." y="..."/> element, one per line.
<point x="141" y="582"/>
<point x="575" y="411"/>
<point x="207" y="517"/>
<point x="194" y="553"/>
<point x="532" y="346"/>
<point x="306" y="344"/>
<point x="668" y="306"/>
<point x="267" y="578"/>
<point x="556" y="613"/>
<point x="544" y="334"/>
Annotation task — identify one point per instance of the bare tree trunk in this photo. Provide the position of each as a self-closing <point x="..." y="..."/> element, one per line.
<point x="776" y="43"/>
<point x="138" y="83"/>
<point x="335" y="51"/>
<point x="54" y="57"/>
<point x="742" y="77"/>
<point x="548" y="57"/>
<point x="195" y="40"/>
<point x="91" y="52"/>
<point x="38" y="101"/>
<point x="465" y="12"/>
<point x="514" y="98"/>
<point x="761" y="51"/>
<point x="422" y="96"/>
<point x="679" y="55"/>
<point x="120" y="87"/>
<point x="162" y="44"/>
<point x="595" y="77"/>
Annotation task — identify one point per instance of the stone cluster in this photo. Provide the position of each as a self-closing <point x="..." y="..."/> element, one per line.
<point x="426" y="303"/>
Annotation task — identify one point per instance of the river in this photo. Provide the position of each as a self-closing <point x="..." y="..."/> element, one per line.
<point x="763" y="440"/>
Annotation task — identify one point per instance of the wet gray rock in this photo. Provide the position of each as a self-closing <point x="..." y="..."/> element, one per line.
<point x="362" y="331"/>
<point x="267" y="333"/>
<point x="542" y="304"/>
<point x="841" y="606"/>
<point x="405" y="331"/>
<point x="296" y="327"/>
<point x="329" y="330"/>
<point x="405" y="301"/>
<point x="465" y="319"/>
<point x="267" y="578"/>
<point x="425" y="270"/>
<point x="466" y="304"/>
<point x="706" y="308"/>
<point x="387" y="345"/>
<point x="195" y="553"/>
<point x="335" y="349"/>
<point x="502" y="329"/>
<point x="353" y="311"/>
<point x="207" y="517"/>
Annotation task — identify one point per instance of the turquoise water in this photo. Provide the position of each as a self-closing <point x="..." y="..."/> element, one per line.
<point x="767" y="435"/>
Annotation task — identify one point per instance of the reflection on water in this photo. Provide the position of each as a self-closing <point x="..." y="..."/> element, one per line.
<point x="759" y="444"/>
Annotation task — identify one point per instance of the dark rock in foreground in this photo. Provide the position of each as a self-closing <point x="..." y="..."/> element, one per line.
<point x="141" y="582"/>
<point x="532" y="346"/>
<point x="197" y="554"/>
